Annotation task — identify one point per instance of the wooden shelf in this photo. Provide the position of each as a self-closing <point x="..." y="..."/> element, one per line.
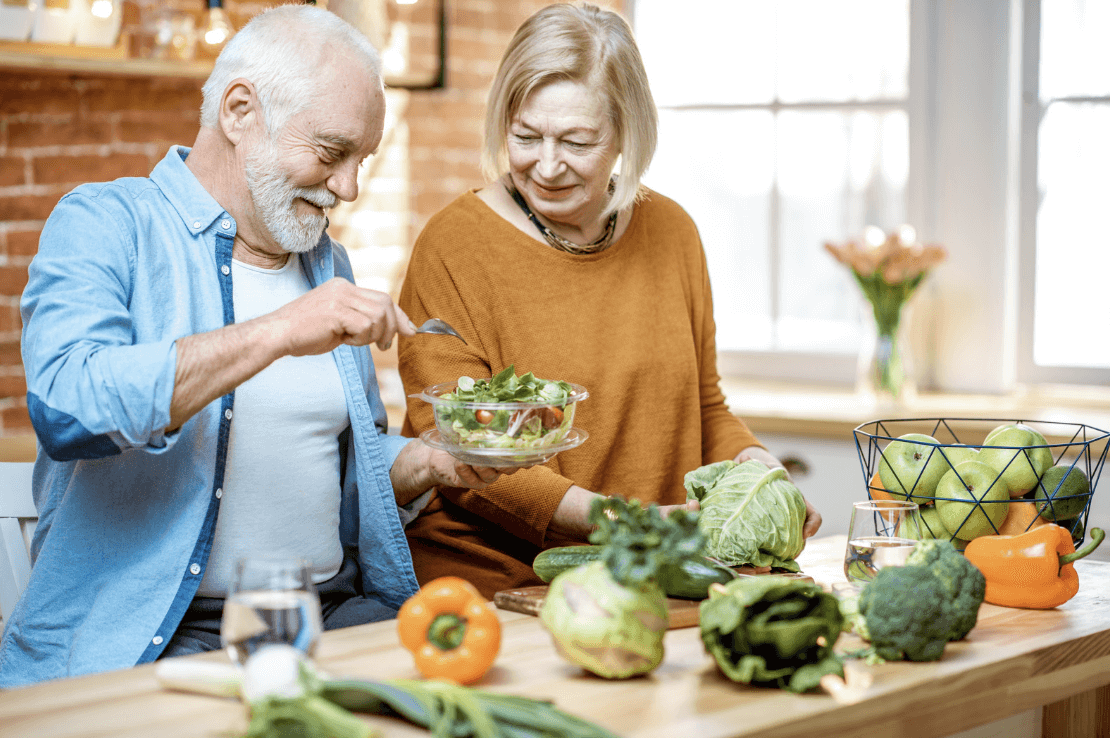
<point x="95" y="60"/>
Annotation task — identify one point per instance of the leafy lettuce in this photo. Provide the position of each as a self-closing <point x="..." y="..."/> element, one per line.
<point x="750" y="514"/>
<point x="773" y="633"/>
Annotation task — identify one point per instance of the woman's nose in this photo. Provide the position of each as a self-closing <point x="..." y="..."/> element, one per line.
<point x="550" y="161"/>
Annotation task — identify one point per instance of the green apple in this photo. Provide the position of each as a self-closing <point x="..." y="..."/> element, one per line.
<point x="923" y="525"/>
<point x="911" y="466"/>
<point x="954" y="455"/>
<point x="972" y="500"/>
<point x="1019" y="454"/>
<point x="1076" y="526"/>
<point x="1062" y="492"/>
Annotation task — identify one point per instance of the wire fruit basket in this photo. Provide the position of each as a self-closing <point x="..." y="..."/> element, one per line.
<point x="983" y="476"/>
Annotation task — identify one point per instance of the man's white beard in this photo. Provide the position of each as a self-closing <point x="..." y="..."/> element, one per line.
<point x="274" y="197"/>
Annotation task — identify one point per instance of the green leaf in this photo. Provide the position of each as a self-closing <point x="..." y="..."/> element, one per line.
<point x="639" y="541"/>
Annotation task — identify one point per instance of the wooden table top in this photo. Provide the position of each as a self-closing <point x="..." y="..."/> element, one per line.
<point x="1013" y="661"/>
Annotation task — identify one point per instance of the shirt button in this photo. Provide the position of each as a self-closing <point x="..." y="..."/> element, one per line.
<point x="157" y="640"/>
<point x="196" y="224"/>
<point x="194" y="568"/>
<point x="225" y="224"/>
<point x="227" y="413"/>
<point x="225" y="269"/>
<point x="219" y="493"/>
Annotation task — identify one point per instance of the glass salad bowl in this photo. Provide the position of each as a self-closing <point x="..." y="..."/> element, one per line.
<point x="504" y="421"/>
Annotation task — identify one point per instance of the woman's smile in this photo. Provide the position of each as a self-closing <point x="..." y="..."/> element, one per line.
<point x="562" y="149"/>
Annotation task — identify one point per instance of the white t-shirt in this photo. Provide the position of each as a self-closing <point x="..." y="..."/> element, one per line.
<point x="281" y="488"/>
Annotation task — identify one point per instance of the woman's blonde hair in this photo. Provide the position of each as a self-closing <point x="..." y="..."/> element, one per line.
<point x="579" y="43"/>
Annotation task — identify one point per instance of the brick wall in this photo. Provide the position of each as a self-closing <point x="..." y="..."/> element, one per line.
<point x="58" y="131"/>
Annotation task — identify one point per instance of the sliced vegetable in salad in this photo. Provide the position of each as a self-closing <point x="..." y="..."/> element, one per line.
<point x="508" y="411"/>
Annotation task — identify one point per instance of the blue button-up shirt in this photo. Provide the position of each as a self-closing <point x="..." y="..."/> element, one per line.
<point x="128" y="511"/>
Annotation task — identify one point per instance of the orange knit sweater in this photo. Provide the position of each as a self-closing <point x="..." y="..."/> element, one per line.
<point x="633" y="325"/>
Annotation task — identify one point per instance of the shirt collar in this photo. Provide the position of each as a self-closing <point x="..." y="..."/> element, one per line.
<point x="194" y="205"/>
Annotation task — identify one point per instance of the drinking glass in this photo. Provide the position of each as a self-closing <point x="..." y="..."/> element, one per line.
<point x="270" y="600"/>
<point x="873" y="540"/>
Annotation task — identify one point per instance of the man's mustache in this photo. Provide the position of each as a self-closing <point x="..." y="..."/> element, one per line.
<point x="321" y="198"/>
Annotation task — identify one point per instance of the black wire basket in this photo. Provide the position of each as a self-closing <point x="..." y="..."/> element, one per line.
<point x="1009" y="490"/>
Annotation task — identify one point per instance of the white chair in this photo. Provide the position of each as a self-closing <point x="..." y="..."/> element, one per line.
<point x="17" y="524"/>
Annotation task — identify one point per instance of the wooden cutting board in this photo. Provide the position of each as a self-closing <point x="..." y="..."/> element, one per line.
<point x="528" y="600"/>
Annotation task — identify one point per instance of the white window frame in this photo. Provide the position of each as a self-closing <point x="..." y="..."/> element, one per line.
<point x="971" y="187"/>
<point x="1032" y="113"/>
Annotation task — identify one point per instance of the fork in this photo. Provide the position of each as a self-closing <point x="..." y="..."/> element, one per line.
<point x="435" y="325"/>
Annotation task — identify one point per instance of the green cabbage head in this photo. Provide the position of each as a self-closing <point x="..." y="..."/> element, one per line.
<point x="750" y="514"/>
<point x="612" y="630"/>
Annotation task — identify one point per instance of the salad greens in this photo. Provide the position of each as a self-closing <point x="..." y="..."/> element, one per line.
<point x="476" y="416"/>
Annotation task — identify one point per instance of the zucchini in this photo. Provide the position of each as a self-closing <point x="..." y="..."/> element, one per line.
<point x="691" y="580"/>
<point x="555" y="561"/>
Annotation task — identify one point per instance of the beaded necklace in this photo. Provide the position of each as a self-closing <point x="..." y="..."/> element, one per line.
<point x="557" y="241"/>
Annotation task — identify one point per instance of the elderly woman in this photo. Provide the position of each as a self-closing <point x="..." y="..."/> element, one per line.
<point x="565" y="266"/>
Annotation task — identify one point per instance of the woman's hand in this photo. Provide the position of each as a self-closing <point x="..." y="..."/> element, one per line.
<point x="694" y="506"/>
<point x="420" y="467"/>
<point x="813" y="518"/>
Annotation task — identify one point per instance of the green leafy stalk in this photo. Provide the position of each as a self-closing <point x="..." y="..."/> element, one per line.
<point x="307" y="716"/>
<point x="453" y="711"/>
<point x="639" y="542"/>
<point x="887" y="299"/>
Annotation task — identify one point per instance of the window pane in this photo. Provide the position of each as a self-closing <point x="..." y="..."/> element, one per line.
<point x="1075" y="51"/>
<point x="692" y="61"/>
<point x="720" y="166"/>
<point x="1073" y="248"/>
<point x="838" y="173"/>
<point x="832" y="51"/>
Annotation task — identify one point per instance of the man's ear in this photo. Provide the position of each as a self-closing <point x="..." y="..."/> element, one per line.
<point x="239" y="110"/>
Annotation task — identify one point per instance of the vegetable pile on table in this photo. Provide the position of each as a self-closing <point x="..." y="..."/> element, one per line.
<point x="911" y="612"/>
<point x="772" y="632"/>
<point x="609" y="616"/>
<point x="750" y="514"/>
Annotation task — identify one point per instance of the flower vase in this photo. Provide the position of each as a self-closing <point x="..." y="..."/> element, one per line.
<point x="885" y="369"/>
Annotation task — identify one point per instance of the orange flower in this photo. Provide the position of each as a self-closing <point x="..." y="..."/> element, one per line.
<point x="897" y="256"/>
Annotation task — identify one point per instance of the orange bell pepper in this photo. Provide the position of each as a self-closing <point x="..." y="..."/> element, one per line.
<point x="450" y="630"/>
<point x="1032" y="570"/>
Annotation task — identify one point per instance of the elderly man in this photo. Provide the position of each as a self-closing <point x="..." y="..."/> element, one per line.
<point x="199" y="376"/>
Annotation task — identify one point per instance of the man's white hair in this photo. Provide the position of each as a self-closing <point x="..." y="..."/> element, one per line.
<point x="281" y="51"/>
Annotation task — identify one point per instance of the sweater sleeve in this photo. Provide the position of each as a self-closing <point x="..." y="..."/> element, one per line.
<point x="724" y="434"/>
<point x="438" y="286"/>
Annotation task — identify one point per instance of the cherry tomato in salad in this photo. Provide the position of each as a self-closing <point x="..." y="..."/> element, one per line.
<point x="552" y="417"/>
<point x="485" y="417"/>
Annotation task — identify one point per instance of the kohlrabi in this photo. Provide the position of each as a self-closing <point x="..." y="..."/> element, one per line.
<point x="609" y="616"/>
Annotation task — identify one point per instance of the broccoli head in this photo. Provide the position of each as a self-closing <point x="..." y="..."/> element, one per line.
<point x="966" y="585"/>
<point x="908" y="613"/>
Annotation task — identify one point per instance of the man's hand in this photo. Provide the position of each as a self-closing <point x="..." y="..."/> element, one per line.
<point x="209" y="365"/>
<point x="339" y="312"/>
<point x="420" y="467"/>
